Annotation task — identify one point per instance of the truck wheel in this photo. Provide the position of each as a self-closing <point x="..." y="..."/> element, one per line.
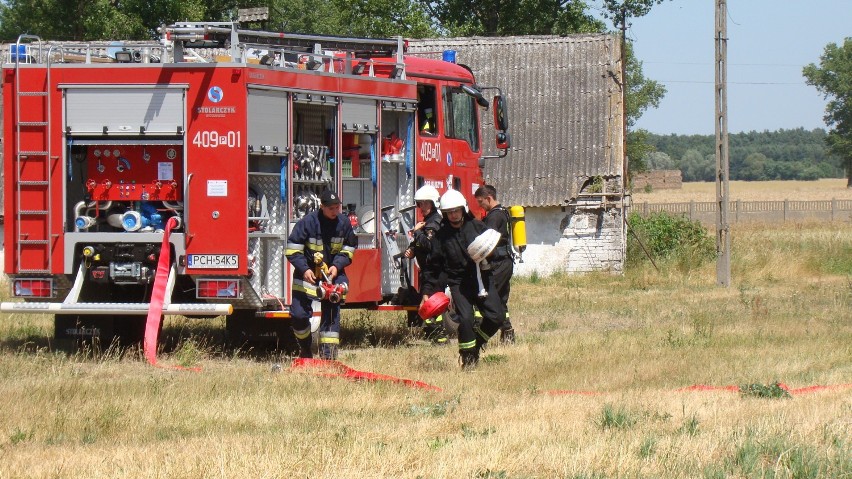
<point x="130" y="329"/>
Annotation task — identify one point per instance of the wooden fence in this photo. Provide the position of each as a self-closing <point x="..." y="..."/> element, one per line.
<point x="769" y="211"/>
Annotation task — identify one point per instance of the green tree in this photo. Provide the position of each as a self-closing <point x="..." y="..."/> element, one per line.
<point x="658" y="160"/>
<point x="512" y="17"/>
<point x="87" y="20"/>
<point x="754" y="167"/>
<point x="621" y="11"/>
<point x="640" y="93"/>
<point x="833" y="78"/>
<point x="362" y="18"/>
<point x="696" y="167"/>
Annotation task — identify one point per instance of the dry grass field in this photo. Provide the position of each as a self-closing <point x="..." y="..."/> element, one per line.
<point x="592" y="389"/>
<point x="824" y="189"/>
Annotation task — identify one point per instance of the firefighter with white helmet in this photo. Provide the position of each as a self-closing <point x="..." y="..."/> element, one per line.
<point x="427" y="200"/>
<point x="454" y="265"/>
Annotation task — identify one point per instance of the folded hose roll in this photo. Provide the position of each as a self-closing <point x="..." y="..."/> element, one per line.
<point x="434" y="306"/>
<point x="483" y="245"/>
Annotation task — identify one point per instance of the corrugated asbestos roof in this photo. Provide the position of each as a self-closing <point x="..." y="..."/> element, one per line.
<point x="565" y="114"/>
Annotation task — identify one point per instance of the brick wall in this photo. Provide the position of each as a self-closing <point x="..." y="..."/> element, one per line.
<point x="658" y="180"/>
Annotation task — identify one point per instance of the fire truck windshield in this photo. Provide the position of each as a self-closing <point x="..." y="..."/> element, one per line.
<point x="461" y="124"/>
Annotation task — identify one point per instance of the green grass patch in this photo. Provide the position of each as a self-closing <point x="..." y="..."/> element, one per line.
<point x="766" y="391"/>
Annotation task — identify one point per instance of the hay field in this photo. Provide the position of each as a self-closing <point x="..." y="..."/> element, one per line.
<point x="824" y="189"/>
<point x="592" y="389"/>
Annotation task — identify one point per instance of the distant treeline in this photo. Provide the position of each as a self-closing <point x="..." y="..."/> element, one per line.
<point x="769" y="155"/>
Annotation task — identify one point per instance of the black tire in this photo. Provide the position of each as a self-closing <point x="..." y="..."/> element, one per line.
<point x="130" y="329"/>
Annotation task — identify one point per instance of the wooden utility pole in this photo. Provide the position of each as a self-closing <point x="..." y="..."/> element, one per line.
<point x="625" y="165"/>
<point x="723" y="231"/>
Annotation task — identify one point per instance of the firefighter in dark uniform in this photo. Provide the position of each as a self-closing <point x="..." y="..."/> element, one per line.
<point x="328" y="233"/>
<point x="427" y="200"/>
<point x="502" y="262"/>
<point x="452" y="266"/>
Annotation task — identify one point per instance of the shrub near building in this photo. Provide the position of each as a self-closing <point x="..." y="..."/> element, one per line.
<point x="669" y="237"/>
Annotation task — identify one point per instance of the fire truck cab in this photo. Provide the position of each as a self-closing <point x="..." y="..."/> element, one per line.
<point x="214" y="142"/>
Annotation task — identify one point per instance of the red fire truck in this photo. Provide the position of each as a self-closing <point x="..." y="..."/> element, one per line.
<point x="234" y="134"/>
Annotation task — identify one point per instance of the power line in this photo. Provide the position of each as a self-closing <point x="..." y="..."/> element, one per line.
<point x="732" y="82"/>
<point x="785" y="65"/>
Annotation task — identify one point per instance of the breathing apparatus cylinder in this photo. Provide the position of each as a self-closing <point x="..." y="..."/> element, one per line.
<point x="519" y="230"/>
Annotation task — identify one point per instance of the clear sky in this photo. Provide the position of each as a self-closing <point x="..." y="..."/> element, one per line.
<point x="769" y="42"/>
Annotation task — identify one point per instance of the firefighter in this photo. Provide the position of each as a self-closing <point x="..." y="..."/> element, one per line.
<point x="427" y="200"/>
<point x="502" y="261"/>
<point x="427" y="125"/>
<point x="329" y="233"/>
<point x="452" y="266"/>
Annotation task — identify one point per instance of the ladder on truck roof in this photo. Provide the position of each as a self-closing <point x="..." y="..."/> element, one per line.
<point x="32" y="164"/>
<point x="226" y="34"/>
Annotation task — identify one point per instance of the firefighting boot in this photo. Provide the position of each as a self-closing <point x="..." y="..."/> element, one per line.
<point x="328" y="351"/>
<point x="435" y="331"/>
<point x="507" y="336"/>
<point x="413" y="320"/>
<point x="507" y="333"/>
<point x="329" y="343"/>
<point x="305" y="347"/>
<point x="469" y="358"/>
<point x="477" y="317"/>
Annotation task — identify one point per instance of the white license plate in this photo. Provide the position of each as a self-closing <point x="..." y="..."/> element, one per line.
<point x="213" y="261"/>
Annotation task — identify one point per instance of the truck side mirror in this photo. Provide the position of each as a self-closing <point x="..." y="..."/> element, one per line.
<point x="501" y="118"/>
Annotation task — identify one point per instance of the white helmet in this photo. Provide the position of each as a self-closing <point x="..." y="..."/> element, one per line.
<point x="453" y="199"/>
<point x="428" y="193"/>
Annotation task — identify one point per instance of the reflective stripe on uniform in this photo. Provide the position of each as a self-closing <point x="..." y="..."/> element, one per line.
<point x="467" y="345"/>
<point x="294" y="248"/>
<point x="329" y="337"/>
<point x="335" y="244"/>
<point x="302" y="333"/>
<point x="481" y="334"/>
<point x="348" y="251"/>
<point x="305" y="287"/>
<point x="314" y="244"/>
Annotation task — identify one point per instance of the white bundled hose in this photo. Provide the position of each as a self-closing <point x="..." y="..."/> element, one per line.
<point x="478" y="250"/>
<point x="482" y="291"/>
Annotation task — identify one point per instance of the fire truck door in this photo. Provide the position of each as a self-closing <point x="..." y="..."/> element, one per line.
<point x="462" y="134"/>
<point x="359" y="128"/>
<point x="268" y="140"/>
<point x="397" y="187"/>
<point x="217" y="180"/>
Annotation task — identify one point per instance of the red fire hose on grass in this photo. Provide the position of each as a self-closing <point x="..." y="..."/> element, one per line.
<point x="336" y="369"/>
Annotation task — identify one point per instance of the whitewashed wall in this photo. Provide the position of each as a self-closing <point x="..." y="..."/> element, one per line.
<point x="573" y="241"/>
